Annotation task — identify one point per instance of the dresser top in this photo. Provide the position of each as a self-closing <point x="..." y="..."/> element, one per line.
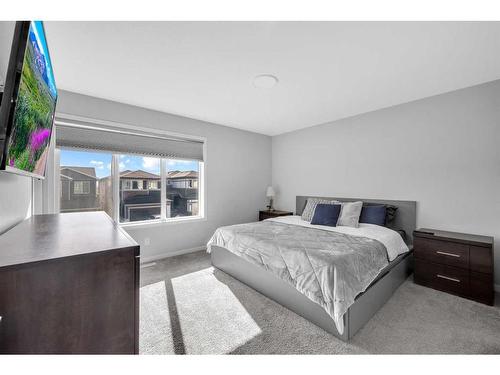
<point x="472" y="239"/>
<point x="46" y="237"/>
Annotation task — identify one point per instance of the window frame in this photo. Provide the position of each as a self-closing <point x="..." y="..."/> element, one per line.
<point x="163" y="196"/>
<point x="85" y="183"/>
<point x="51" y="184"/>
<point x="115" y="187"/>
<point x="152" y="186"/>
<point x="127" y="184"/>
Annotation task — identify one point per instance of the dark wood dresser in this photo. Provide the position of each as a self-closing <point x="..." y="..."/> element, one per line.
<point x="266" y="214"/>
<point x="457" y="263"/>
<point x="69" y="283"/>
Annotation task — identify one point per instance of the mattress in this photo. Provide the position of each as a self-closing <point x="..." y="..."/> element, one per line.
<point x="329" y="267"/>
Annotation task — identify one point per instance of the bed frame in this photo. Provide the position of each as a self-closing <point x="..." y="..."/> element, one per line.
<point x="366" y="303"/>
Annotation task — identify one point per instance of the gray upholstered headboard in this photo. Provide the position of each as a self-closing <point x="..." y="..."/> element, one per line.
<point x="406" y="214"/>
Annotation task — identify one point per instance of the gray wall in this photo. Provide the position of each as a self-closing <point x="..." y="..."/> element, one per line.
<point x="15" y="200"/>
<point x="6" y="33"/>
<point x="238" y="170"/>
<point x="15" y="191"/>
<point x="442" y="151"/>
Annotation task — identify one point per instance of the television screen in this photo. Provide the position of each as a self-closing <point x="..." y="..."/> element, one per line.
<point x="30" y="125"/>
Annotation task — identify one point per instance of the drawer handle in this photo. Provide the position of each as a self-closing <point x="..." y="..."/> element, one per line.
<point x="448" y="254"/>
<point x="448" y="278"/>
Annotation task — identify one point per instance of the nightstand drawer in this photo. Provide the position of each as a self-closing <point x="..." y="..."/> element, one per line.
<point x="442" y="252"/>
<point x="438" y="276"/>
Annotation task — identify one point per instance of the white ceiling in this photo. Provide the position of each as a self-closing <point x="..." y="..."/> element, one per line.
<point x="326" y="70"/>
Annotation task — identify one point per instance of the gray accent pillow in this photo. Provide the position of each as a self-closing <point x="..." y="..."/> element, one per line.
<point x="311" y="204"/>
<point x="349" y="214"/>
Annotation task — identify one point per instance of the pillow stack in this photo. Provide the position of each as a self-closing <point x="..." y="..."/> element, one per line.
<point x="346" y="214"/>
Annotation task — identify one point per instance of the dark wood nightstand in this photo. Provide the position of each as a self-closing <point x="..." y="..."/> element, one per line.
<point x="456" y="263"/>
<point x="266" y="214"/>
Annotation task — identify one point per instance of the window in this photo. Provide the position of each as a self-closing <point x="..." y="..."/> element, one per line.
<point x="182" y="190"/>
<point x="82" y="177"/>
<point x="139" y="203"/>
<point x="81" y="187"/>
<point x="134" y="182"/>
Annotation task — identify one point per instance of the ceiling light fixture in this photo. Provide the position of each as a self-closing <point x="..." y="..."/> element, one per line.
<point x="265" y="81"/>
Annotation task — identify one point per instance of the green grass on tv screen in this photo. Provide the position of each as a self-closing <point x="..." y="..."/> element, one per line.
<point x="33" y="115"/>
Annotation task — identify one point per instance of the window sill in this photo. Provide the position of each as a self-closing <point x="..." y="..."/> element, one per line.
<point x="160" y="222"/>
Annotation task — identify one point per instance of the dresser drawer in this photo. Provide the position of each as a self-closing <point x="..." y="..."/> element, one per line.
<point x="438" y="276"/>
<point x="442" y="252"/>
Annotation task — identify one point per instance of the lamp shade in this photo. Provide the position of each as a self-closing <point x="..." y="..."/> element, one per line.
<point x="270" y="192"/>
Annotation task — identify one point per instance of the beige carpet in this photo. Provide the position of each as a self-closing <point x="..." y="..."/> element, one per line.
<point x="188" y="307"/>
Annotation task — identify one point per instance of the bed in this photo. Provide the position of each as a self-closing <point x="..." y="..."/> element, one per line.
<point x="344" y="316"/>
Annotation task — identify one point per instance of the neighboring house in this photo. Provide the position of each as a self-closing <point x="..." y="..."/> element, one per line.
<point x="182" y="190"/>
<point x="140" y="194"/>
<point x="79" y="191"/>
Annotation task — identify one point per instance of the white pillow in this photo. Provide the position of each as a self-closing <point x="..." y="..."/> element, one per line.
<point x="349" y="214"/>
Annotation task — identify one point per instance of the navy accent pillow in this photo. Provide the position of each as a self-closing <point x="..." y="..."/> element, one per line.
<point x="374" y="214"/>
<point x="326" y="214"/>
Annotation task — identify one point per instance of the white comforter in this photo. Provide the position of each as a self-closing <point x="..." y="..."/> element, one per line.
<point x="329" y="265"/>
<point x="391" y="239"/>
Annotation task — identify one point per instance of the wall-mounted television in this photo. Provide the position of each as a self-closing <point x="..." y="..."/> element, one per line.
<point x="28" y="102"/>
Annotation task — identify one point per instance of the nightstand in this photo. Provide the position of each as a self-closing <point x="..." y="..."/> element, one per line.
<point x="457" y="263"/>
<point x="266" y="214"/>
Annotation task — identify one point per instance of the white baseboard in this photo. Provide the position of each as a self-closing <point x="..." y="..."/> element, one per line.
<point x="497" y="288"/>
<point x="169" y="254"/>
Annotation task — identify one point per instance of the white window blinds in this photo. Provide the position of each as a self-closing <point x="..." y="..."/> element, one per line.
<point x="90" y="136"/>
